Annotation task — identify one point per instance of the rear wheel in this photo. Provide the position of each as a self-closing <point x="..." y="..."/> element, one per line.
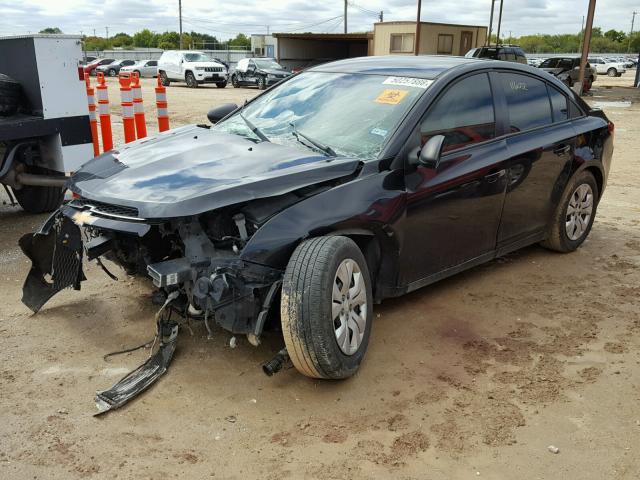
<point x="191" y="80"/>
<point x="10" y="95"/>
<point x="612" y="72"/>
<point x="112" y="72"/>
<point x="574" y="215"/>
<point x="164" y="79"/>
<point x="326" y="307"/>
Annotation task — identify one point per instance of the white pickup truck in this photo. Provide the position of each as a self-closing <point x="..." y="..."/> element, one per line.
<point x="603" y="66"/>
<point x="44" y="118"/>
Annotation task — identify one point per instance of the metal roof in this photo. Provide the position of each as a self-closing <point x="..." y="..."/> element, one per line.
<point x="42" y="35"/>
<point x="326" y="36"/>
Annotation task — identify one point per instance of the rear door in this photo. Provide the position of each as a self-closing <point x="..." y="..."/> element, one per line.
<point x="453" y="211"/>
<point x="541" y="145"/>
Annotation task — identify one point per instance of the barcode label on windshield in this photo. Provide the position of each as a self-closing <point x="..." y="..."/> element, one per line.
<point x="408" y="82"/>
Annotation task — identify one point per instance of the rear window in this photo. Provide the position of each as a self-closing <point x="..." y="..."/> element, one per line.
<point x="558" y="105"/>
<point x="527" y="102"/>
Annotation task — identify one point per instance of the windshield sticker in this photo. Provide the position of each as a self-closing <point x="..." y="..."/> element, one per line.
<point x="408" y="82"/>
<point x="392" y="97"/>
<point x="379" y="131"/>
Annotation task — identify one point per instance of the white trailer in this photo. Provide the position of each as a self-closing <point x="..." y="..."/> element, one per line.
<point x="44" y="117"/>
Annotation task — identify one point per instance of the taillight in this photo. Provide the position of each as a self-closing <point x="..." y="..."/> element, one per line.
<point x="75" y="195"/>
<point x="612" y="127"/>
<point x="81" y="73"/>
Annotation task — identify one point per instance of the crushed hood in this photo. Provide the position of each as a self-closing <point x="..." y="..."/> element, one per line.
<point x="192" y="170"/>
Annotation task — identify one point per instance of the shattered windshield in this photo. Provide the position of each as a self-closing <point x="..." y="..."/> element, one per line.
<point x="353" y="114"/>
<point x="196" y="57"/>
<point x="268" y="64"/>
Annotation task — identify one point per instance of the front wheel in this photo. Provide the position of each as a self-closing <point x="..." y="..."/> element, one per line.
<point x="112" y="72"/>
<point x="326" y="307"/>
<point x="234" y="81"/>
<point x="262" y="83"/>
<point x="191" y="80"/>
<point x="574" y="215"/>
<point x="164" y="79"/>
<point x="612" y="72"/>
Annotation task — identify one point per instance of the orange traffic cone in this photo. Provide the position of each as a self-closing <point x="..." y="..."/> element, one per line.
<point x="161" y="106"/>
<point x="127" y="107"/>
<point x="93" y="121"/>
<point x="138" y="107"/>
<point x="103" y="111"/>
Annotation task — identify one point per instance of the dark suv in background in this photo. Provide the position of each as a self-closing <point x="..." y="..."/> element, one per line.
<point x="509" y="53"/>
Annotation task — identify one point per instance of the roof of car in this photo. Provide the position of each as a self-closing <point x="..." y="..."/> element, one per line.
<point x="421" y="66"/>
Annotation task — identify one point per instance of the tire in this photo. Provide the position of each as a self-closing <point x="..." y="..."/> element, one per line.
<point x="569" y="82"/>
<point x="112" y="72"/>
<point x="612" y="72"/>
<point x="558" y="239"/>
<point x="310" y="332"/>
<point x="262" y="83"/>
<point x="221" y="84"/>
<point x="10" y="95"/>
<point x="588" y="84"/>
<point x="164" y="80"/>
<point x="39" y="199"/>
<point x="191" y="80"/>
<point x="234" y="82"/>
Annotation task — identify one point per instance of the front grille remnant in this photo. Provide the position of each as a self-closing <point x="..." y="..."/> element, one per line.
<point x="105" y="209"/>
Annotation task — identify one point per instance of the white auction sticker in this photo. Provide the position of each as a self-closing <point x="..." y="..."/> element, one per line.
<point x="408" y="82"/>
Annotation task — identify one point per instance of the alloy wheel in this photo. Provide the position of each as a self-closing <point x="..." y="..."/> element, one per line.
<point x="349" y="306"/>
<point x="579" y="211"/>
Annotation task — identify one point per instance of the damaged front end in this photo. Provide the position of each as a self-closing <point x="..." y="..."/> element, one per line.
<point x="198" y="257"/>
<point x="193" y="261"/>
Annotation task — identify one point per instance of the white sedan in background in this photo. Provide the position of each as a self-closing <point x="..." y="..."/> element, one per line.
<point x="145" y="68"/>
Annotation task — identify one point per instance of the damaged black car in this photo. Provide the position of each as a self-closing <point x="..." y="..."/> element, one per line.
<point x="349" y="183"/>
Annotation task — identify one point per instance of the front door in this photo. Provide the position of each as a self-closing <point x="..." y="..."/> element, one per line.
<point x="541" y="147"/>
<point x="453" y="211"/>
<point x="466" y="38"/>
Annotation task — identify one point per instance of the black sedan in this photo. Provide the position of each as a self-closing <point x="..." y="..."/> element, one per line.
<point x="258" y="72"/>
<point x="349" y="183"/>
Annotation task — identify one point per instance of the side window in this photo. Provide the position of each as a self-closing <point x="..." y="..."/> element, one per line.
<point x="574" y="110"/>
<point x="558" y="105"/>
<point x="464" y="114"/>
<point x="152" y="63"/>
<point x="527" y="101"/>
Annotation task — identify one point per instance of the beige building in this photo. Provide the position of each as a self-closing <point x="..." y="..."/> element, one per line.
<point x="435" y="38"/>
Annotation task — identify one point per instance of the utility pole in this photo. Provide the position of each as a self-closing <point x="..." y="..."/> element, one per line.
<point x="488" y="39"/>
<point x="107" y="30"/>
<point x="381" y="16"/>
<point x="633" y="18"/>
<point x="345" y="16"/>
<point x="586" y="44"/>
<point x="180" y="20"/>
<point x="416" y="47"/>
<point x="499" y="24"/>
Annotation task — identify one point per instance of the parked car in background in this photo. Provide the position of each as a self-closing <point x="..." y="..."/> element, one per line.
<point x="352" y="182"/>
<point x="194" y="68"/>
<point x="90" y="67"/>
<point x="606" y="66"/>
<point x="567" y="69"/>
<point x="259" y="72"/>
<point x="87" y="60"/>
<point x="145" y="68"/>
<point x="112" y="69"/>
<point x="509" y="53"/>
<point x="535" y="62"/>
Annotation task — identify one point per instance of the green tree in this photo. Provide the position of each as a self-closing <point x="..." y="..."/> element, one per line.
<point x="145" y="38"/>
<point x="51" y="30"/>
<point x="121" y="40"/>
<point x="96" y="43"/>
<point x="615" y="35"/>
<point x="241" y="40"/>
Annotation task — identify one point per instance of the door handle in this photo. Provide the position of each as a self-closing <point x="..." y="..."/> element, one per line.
<point x="563" y="150"/>
<point x="493" y="177"/>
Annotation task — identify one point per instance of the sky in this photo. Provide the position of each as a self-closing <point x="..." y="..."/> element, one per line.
<point x="225" y="19"/>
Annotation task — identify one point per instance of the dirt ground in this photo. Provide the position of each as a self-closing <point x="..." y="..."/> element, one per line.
<point x="474" y="376"/>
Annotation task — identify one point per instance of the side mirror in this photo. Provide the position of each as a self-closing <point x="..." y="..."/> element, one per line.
<point x="431" y="152"/>
<point x="218" y="113"/>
